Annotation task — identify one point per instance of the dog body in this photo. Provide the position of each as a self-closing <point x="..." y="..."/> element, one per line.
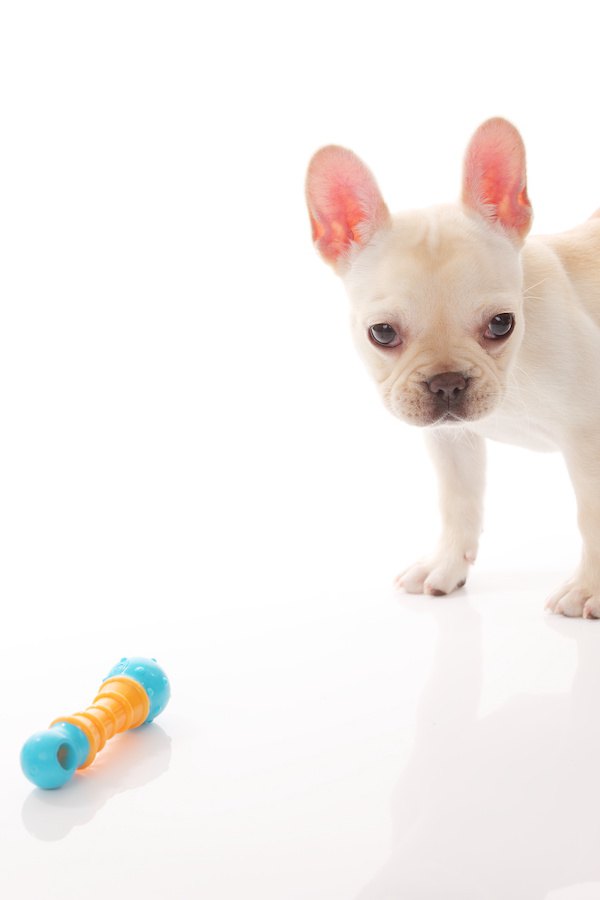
<point x="472" y="332"/>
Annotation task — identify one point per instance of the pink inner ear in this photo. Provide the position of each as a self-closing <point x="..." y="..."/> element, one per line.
<point x="344" y="202"/>
<point x="495" y="176"/>
<point x="335" y="230"/>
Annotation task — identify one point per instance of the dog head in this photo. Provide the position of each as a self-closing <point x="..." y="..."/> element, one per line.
<point x="436" y="295"/>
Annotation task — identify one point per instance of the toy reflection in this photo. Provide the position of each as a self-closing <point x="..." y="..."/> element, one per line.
<point x="135" y="759"/>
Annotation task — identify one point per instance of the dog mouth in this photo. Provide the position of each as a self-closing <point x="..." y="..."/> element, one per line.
<point x="449" y="418"/>
<point x="433" y="413"/>
<point x="446" y="419"/>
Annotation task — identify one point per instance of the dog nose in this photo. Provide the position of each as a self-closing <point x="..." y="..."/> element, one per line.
<point x="448" y="385"/>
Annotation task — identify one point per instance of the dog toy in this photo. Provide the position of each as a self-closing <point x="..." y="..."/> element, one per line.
<point x="135" y="691"/>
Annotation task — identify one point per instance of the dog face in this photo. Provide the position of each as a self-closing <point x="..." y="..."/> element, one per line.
<point x="436" y="295"/>
<point x="437" y="315"/>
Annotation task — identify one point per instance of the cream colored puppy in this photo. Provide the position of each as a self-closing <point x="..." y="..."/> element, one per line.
<point x="473" y="333"/>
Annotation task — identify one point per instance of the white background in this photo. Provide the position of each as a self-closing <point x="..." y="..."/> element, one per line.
<point x="195" y="467"/>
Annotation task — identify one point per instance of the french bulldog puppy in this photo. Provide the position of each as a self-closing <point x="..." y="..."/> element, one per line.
<point x="472" y="332"/>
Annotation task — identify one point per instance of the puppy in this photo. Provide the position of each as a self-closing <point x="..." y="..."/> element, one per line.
<point x="472" y="332"/>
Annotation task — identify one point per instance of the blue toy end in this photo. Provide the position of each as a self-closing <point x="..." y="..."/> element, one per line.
<point x="50" y="758"/>
<point x="152" y="678"/>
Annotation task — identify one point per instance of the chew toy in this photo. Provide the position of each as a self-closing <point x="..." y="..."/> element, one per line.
<point x="135" y="691"/>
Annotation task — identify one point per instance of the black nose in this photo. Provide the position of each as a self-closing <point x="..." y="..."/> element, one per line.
<point x="447" y="386"/>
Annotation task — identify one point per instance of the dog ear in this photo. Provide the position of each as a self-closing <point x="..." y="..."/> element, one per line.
<point x="344" y="203"/>
<point x="494" y="178"/>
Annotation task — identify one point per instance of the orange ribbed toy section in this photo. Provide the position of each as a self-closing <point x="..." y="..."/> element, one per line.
<point x="121" y="703"/>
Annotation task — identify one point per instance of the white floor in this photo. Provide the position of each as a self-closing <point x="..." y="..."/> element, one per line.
<point x="345" y="745"/>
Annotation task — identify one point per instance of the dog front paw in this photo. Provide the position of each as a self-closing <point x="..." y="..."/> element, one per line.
<point x="576" y="600"/>
<point x="439" y="575"/>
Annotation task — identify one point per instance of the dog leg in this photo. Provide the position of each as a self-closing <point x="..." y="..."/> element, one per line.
<point x="459" y="459"/>
<point x="581" y="595"/>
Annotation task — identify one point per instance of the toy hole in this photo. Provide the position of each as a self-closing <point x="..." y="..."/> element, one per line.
<point x="66" y="757"/>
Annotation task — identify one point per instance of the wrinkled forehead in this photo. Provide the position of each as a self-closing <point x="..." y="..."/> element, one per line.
<point x="435" y="256"/>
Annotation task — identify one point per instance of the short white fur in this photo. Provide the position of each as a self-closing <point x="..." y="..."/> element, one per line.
<point x="438" y="277"/>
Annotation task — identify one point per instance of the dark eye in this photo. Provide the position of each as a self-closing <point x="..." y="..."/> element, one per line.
<point x="500" y="326"/>
<point x="384" y="335"/>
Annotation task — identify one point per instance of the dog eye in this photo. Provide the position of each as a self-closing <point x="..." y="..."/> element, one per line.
<point x="384" y="335"/>
<point x="500" y="326"/>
